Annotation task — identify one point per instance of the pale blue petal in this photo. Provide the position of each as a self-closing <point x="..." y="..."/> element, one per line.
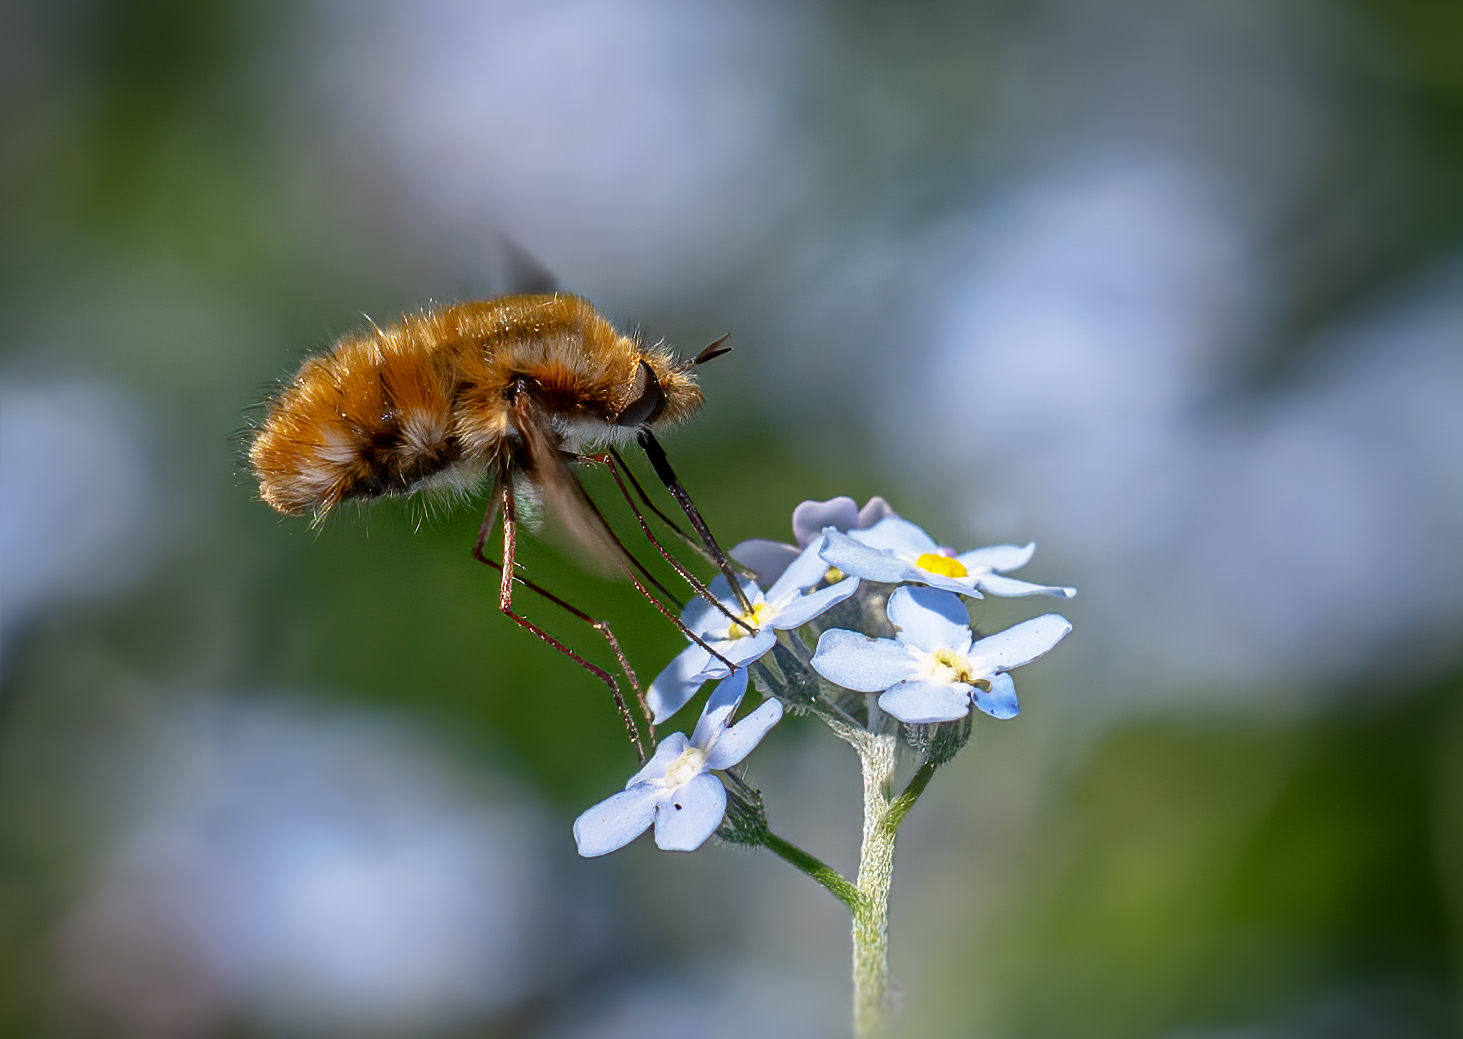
<point x="692" y="813"/>
<point x="958" y="585"/>
<point x="678" y="682"/>
<point x="930" y="619"/>
<point x="738" y="741"/>
<point x="1020" y="644"/>
<point x="874" y="510"/>
<point x="858" y="662"/>
<point x="615" y="822"/>
<point x="807" y="570"/>
<point x="998" y="557"/>
<point x="806" y="607"/>
<point x="998" y="584"/>
<point x="809" y="518"/>
<point x="768" y="558"/>
<point x="920" y="702"/>
<point x="670" y="748"/>
<point x="721" y="588"/>
<point x="701" y="616"/>
<point x="720" y="706"/>
<point x="896" y="535"/>
<point x="744" y="650"/>
<point x="872" y="564"/>
<point x="714" y="670"/>
<point x="1000" y="701"/>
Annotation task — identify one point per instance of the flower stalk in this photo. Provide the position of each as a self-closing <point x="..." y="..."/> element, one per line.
<point x="871" y="1005"/>
<point x="819" y="870"/>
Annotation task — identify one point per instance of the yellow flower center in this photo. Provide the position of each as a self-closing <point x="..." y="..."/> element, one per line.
<point x="949" y="566"/>
<point x="834" y="575"/>
<point x="951" y="666"/>
<point x="685" y="768"/>
<point x="760" y="613"/>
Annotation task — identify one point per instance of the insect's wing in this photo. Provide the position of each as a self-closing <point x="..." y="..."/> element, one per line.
<point x="564" y="497"/>
<point x="507" y="268"/>
<point x="490" y="514"/>
<point x="524" y="273"/>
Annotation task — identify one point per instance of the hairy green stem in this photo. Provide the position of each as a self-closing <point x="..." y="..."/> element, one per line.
<point x="875" y="875"/>
<point x="745" y="805"/>
<point x="816" y="868"/>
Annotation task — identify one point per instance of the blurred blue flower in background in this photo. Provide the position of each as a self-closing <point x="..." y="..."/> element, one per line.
<point x="75" y="521"/>
<point x="321" y="872"/>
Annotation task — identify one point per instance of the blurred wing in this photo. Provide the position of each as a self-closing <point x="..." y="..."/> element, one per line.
<point x="490" y="514"/>
<point x="564" y="497"/>
<point x="506" y="268"/>
<point x="524" y="273"/>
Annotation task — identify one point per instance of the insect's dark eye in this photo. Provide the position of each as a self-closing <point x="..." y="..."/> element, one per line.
<point x="646" y="399"/>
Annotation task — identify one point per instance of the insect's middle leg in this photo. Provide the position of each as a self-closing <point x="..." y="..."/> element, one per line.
<point x="665" y="611"/>
<point x="615" y="463"/>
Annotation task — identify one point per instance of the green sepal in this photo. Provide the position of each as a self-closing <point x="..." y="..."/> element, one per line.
<point x="938" y="743"/>
<point x="745" y="821"/>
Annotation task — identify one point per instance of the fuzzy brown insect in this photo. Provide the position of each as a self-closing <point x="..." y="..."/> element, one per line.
<point x="508" y="391"/>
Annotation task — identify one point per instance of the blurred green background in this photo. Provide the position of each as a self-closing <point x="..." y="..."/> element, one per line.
<point x="1173" y="288"/>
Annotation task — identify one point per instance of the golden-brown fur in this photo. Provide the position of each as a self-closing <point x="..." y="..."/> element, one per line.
<point x="427" y="401"/>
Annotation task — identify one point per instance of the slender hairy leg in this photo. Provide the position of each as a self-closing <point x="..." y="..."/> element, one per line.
<point x="615" y="464"/>
<point x="623" y="554"/>
<point x="503" y="497"/>
<point x="544" y="462"/>
<point x="692" y="543"/>
<point x="689" y="541"/>
<point x="665" y="612"/>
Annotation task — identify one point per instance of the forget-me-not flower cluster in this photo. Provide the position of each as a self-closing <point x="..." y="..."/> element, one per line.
<point x="920" y="654"/>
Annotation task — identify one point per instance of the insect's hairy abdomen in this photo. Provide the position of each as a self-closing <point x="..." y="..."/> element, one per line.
<point x="373" y="416"/>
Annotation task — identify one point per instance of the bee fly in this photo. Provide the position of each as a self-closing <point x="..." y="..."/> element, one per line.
<point x="509" y="391"/>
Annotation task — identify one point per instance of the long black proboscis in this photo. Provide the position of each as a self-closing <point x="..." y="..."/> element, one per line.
<point x="662" y="466"/>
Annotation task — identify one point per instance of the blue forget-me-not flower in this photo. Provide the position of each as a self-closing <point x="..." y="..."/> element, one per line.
<point x="933" y="669"/>
<point x="675" y="790"/>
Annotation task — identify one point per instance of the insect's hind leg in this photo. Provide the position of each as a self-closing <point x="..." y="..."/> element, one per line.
<point x="503" y="496"/>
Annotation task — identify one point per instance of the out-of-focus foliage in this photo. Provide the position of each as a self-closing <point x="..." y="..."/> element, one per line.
<point x="1168" y="286"/>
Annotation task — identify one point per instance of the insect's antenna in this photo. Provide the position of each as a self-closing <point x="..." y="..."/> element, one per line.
<point x="711" y="352"/>
<point x="662" y="466"/>
<point x="502" y="497"/>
